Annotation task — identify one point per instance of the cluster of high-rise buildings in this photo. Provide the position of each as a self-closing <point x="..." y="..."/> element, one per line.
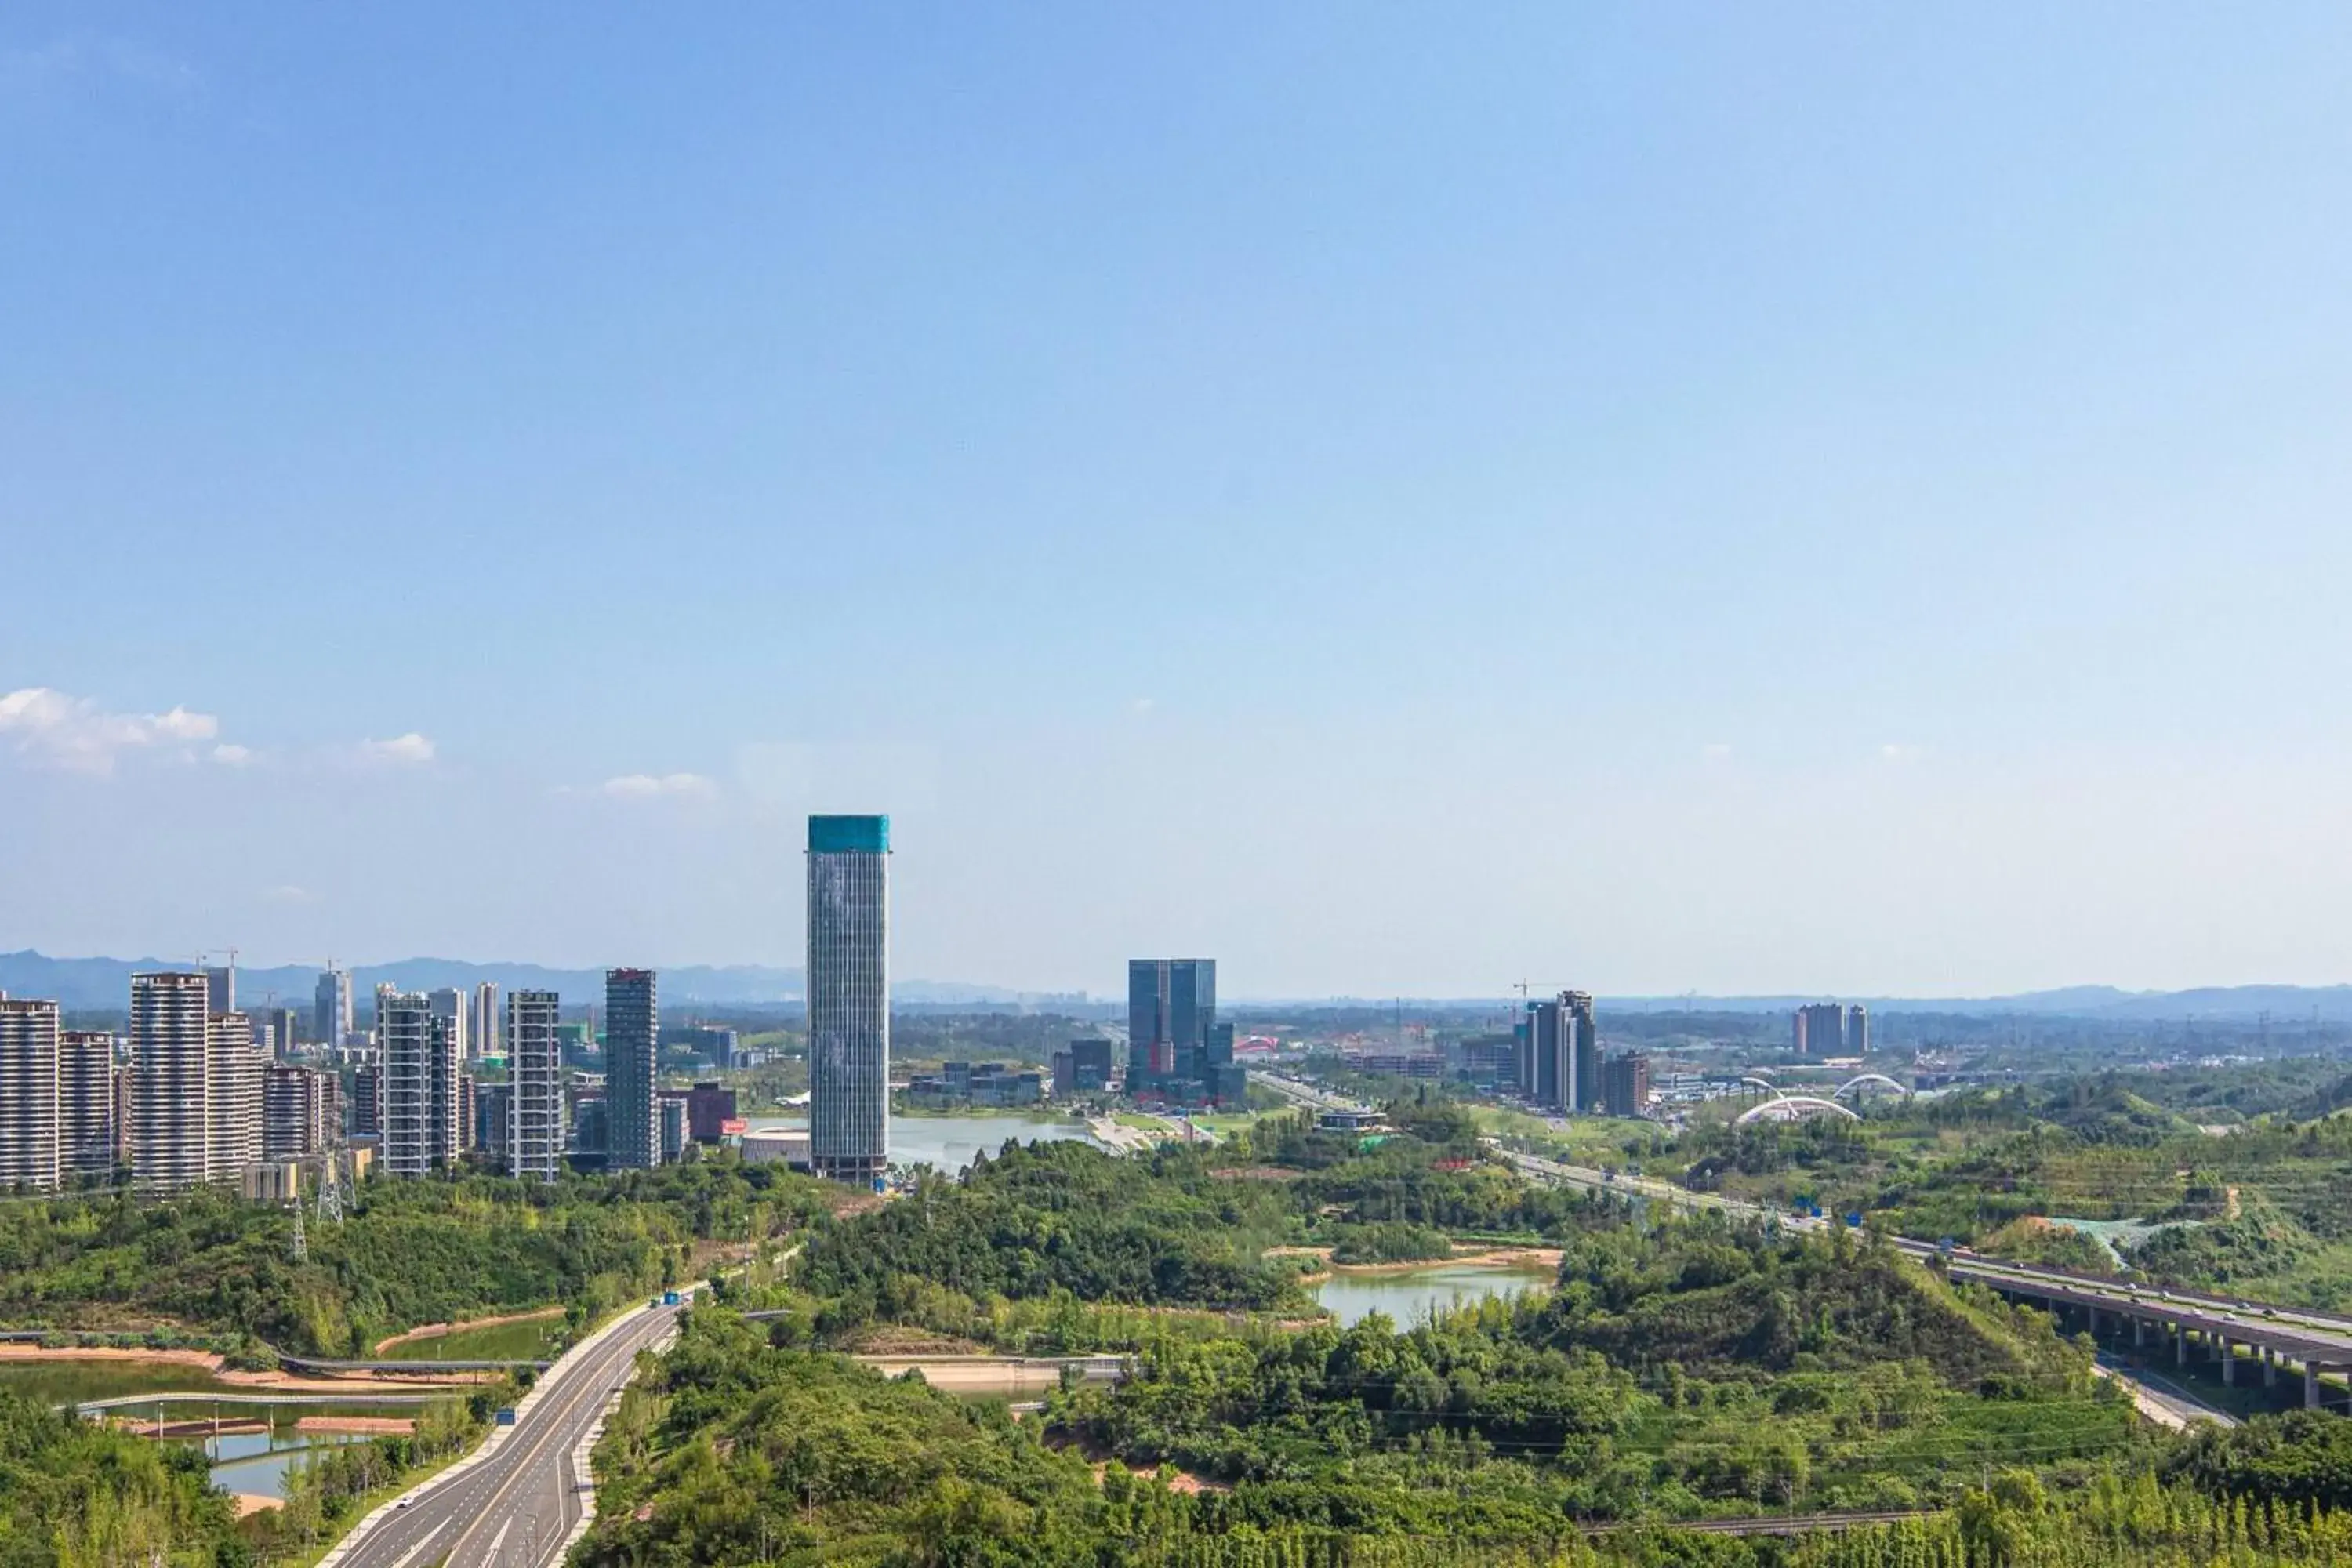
<point x="193" y="1095"/>
<point x="1176" y="1049"/>
<point x="197" y="1092"/>
<point x="1826" y="1029"/>
<point x="1557" y="1065"/>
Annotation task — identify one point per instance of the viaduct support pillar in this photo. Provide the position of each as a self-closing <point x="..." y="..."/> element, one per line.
<point x="2180" y="1346"/>
<point x="2270" y="1367"/>
<point x="2311" y="1385"/>
<point x="2140" y="1332"/>
<point x="2229" y="1362"/>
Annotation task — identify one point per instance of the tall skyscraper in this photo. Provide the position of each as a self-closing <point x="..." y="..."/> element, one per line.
<point x="236" y="1085"/>
<point x="92" y="1119"/>
<point x="1857" y="1030"/>
<point x="849" y="996"/>
<point x="220" y="989"/>
<point x="330" y="1017"/>
<point x="632" y="1057"/>
<point x="535" y="1077"/>
<point x="485" y="1019"/>
<point x="1172" y="1009"/>
<point x="420" y="1049"/>
<point x="171" y="1054"/>
<point x="31" y="1110"/>
<point x="1564" y="1044"/>
<point x="285" y="1025"/>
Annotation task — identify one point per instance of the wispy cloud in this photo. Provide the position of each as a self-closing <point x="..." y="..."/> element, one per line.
<point x="1895" y="751"/>
<point x="50" y="729"/>
<point x="408" y="750"/>
<point x="81" y="61"/>
<point x="1715" y="752"/>
<point x="287" y="893"/>
<point x="652" y="786"/>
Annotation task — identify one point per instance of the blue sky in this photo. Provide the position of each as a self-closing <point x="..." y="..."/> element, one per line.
<point x="1653" y="498"/>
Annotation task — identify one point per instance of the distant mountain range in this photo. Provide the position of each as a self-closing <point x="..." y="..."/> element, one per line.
<point x="106" y="981"/>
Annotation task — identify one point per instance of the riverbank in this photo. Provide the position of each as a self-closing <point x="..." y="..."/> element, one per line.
<point x="442" y="1330"/>
<point x="217" y="1370"/>
<point x="1526" y="1258"/>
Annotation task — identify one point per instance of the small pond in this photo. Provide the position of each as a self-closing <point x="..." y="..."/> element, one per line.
<point x="1408" y="1295"/>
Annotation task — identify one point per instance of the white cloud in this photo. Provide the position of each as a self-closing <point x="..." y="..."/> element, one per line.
<point x="1143" y="705"/>
<point x="649" y="786"/>
<point x="411" y="750"/>
<point x="1894" y="751"/>
<point x="54" y="730"/>
<point x="287" y="893"/>
<point x="232" y="756"/>
<point x="1715" y="752"/>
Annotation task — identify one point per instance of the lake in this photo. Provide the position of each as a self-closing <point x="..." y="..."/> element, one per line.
<point x="950" y="1142"/>
<point x="253" y="1462"/>
<point x="1408" y="1295"/>
<point x="72" y="1382"/>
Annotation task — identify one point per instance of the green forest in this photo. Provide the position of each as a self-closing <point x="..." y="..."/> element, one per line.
<point x="1682" y="1370"/>
<point x="209" y="1268"/>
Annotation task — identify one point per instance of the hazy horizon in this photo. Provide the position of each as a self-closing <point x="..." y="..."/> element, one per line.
<point x="1656" y="500"/>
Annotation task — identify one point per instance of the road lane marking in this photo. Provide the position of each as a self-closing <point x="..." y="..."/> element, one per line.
<point x="423" y="1542"/>
<point x="591" y="1385"/>
<point x="498" y="1540"/>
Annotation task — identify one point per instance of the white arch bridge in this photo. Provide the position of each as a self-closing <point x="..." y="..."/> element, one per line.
<point x="1785" y="1107"/>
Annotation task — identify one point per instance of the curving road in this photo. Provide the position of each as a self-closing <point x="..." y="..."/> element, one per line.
<point x="516" y="1503"/>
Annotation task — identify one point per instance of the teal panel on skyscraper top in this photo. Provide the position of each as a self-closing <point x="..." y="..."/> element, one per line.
<point x="849" y="835"/>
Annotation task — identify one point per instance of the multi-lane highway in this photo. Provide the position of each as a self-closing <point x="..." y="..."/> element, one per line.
<point x="517" y="1502"/>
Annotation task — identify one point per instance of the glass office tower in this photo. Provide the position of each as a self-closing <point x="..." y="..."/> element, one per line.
<point x="849" y="996"/>
<point x="631" y="1067"/>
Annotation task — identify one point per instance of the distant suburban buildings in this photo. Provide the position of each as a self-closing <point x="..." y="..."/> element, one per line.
<point x="1826" y="1029"/>
<point x="710" y="1107"/>
<point x="1625" y="1083"/>
<point x="1082" y="1067"/>
<point x="977" y="1083"/>
<point x="849" y="996"/>
<point x="632" y="1071"/>
<point x="535" y="1133"/>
